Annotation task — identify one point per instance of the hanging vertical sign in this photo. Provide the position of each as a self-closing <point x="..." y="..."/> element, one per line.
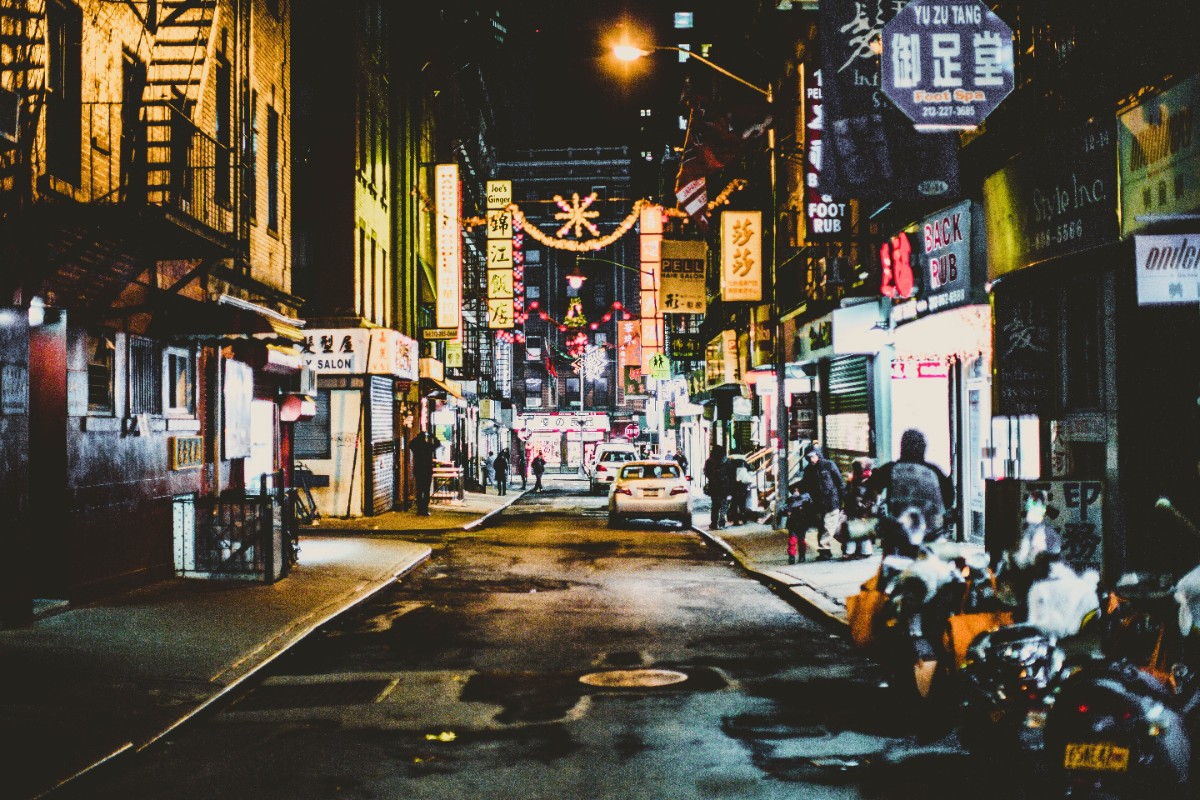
<point x="825" y="217"/>
<point x="651" y="263"/>
<point x="683" y="276"/>
<point x="629" y="358"/>
<point x="448" y="208"/>
<point x="499" y="255"/>
<point x="741" y="256"/>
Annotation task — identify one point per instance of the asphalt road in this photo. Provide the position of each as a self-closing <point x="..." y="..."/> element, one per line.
<point x="464" y="681"/>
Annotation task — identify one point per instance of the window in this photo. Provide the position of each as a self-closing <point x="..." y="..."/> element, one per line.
<point x="645" y="112"/>
<point x="684" y="19"/>
<point x="684" y="55"/>
<point x="224" y="131"/>
<point x="180" y="376"/>
<point x="533" y="386"/>
<point x="64" y="90"/>
<point x="145" y="377"/>
<point x="313" y="436"/>
<point x="272" y="169"/>
<point x="101" y="349"/>
<point x="682" y="123"/>
<point x="533" y="292"/>
<point x="252" y="157"/>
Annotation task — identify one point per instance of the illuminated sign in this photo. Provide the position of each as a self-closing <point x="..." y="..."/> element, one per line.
<point x="826" y="217"/>
<point x="683" y="276"/>
<point x="449" y="246"/>
<point x="741" y="256"/>
<point x="947" y="63"/>
<point x="895" y="256"/>
<point x="650" y="223"/>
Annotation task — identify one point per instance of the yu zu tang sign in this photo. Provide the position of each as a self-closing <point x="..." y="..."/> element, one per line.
<point x="947" y="63"/>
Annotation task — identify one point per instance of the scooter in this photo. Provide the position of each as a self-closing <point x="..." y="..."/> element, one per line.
<point x="1125" y="725"/>
<point x="1010" y="676"/>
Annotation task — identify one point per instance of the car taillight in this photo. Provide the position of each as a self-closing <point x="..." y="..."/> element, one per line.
<point x="679" y="490"/>
<point x="601" y="468"/>
<point x="623" y="490"/>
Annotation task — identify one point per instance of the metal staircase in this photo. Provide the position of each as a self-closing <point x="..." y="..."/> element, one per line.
<point x="182" y="33"/>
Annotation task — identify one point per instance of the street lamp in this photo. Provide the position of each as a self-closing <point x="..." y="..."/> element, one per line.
<point x="629" y="52"/>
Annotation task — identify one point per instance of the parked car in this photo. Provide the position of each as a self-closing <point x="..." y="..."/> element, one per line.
<point x="650" y="490"/>
<point x="608" y="459"/>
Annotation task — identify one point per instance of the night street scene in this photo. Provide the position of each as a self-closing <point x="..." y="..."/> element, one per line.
<point x="532" y="400"/>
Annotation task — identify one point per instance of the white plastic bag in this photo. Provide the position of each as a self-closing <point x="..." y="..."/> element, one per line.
<point x="1060" y="603"/>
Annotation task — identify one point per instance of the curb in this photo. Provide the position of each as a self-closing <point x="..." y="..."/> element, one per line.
<point x="814" y="598"/>
<point x="479" y="523"/>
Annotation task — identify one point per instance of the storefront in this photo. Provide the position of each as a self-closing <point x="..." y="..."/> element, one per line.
<point x="563" y="440"/>
<point x="841" y="352"/>
<point x="356" y="444"/>
<point x="940" y="373"/>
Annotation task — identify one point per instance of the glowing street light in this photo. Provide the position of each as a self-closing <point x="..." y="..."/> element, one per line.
<point x="629" y="52"/>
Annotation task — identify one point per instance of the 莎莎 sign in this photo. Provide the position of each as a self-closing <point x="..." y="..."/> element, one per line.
<point x="947" y="64"/>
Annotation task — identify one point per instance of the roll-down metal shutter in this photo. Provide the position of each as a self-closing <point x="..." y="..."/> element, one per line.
<point x="848" y="387"/>
<point x="382" y="449"/>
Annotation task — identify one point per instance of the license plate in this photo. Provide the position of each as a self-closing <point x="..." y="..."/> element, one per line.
<point x="1100" y="757"/>
<point x="650" y="493"/>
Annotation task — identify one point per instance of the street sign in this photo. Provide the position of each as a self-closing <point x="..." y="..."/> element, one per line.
<point x="660" y="366"/>
<point x="947" y="64"/>
<point x="632" y="431"/>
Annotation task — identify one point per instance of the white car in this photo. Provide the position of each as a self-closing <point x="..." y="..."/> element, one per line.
<point x="608" y="460"/>
<point x="650" y="490"/>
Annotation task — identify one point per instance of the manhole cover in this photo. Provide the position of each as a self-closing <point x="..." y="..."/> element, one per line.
<point x="633" y="678"/>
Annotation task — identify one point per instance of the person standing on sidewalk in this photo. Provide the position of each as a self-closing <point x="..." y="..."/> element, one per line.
<point x="422" y="448"/>
<point x="823" y="481"/>
<point x="523" y="466"/>
<point x="716" y="485"/>
<point x="488" y="470"/>
<point x="856" y="535"/>
<point x="539" y="466"/>
<point x="501" y="467"/>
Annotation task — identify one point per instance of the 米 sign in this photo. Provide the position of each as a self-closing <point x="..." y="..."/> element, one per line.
<point x="947" y="63"/>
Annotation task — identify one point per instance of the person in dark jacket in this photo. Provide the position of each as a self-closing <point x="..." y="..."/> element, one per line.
<point x="523" y="466"/>
<point x="500" y="465"/>
<point x="716" y="485"/>
<point x="822" y="480"/>
<point x="539" y="466"/>
<point x="860" y="510"/>
<point x="422" y="447"/>
<point x="916" y="497"/>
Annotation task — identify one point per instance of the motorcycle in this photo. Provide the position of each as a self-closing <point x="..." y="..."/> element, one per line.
<point x="1010" y="675"/>
<point x="1124" y="725"/>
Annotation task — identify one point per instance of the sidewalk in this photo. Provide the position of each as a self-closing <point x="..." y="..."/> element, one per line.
<point x="760" y="549"/>
<point x="90" y="683"/>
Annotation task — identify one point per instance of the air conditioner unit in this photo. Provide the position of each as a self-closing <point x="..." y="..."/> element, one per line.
<point x="308" y="381"/>
<point x="10" y="107"/>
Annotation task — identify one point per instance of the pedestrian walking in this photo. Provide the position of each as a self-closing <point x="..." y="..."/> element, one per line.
<point x="799" y="510"/>
<point x="739" y="493"/>
<point x="857" y="533"/>
<point x="716" y="485"/>
<point x="916" y="498"/>
<point x="422" y="447"/>
<point x="501" y="467"/>
<point x="489" y="466"/>
<point x="823" y="482"/>
<point x="523" y="466"/>
<point x="682" y="461"/>
<point x="539" y="466"/>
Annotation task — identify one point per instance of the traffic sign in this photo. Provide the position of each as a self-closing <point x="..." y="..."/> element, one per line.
<point x="947" y="63"/>
<point x="660" y="366"/>
<point x="632" y="431"/>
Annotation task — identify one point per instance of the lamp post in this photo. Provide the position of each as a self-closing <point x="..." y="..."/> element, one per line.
<point x="628" y="52"/>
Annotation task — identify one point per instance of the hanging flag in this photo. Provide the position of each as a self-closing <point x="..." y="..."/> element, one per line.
<point x="550" y="369"/>
<point x="716" y="137"/>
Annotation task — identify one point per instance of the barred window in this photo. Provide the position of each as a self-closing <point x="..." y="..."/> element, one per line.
<point x="145" y="377"/>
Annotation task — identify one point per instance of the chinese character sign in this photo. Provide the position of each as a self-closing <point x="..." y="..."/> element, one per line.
<point x="826" y="217"/>
<point x="501" y="308"/>
<point x="449" y="246"/>
<point x="682" y="276"/>
<point x="650" y="224"/>
<point x="895" y="257"/>
<point x="741" y="256"/>
<point x="947" y="63"/>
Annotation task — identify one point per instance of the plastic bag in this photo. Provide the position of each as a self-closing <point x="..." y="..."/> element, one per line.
<point x="1061" y="602"/>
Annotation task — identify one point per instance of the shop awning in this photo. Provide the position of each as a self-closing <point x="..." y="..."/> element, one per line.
<point x="224" y="322"/>
<point x="431" y="385"/>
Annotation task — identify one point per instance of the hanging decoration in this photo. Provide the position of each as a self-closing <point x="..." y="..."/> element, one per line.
<point x="576" y="214"/>
<point x="575" y="316"/>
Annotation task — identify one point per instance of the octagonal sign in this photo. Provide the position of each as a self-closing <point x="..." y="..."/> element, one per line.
<point x="947" y="64"/>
